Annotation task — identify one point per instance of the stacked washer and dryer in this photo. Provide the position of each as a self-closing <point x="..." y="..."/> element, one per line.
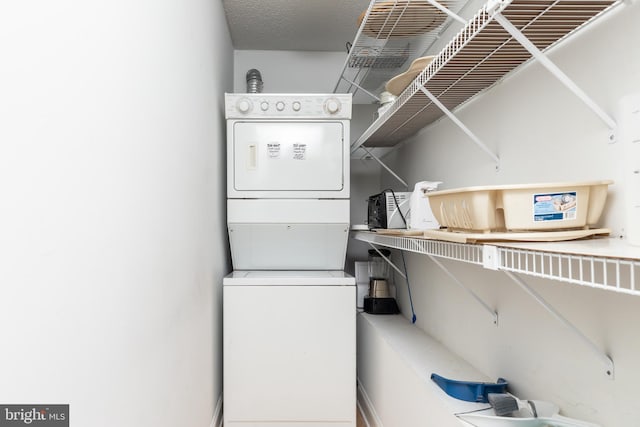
<point x="288" y="308"/>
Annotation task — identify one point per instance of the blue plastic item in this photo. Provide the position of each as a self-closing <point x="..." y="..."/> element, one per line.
<point x="469" y="391"/>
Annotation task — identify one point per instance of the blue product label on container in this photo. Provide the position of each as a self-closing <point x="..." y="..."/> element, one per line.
<point x="555" y="206"/>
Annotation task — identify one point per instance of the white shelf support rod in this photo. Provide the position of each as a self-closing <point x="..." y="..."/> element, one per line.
<point x="553" y="68"/>
<point x="346" y="61"/>
<point x="374" y="157"/>
<point x="360" y="87"/>
<point x="606" y="360"/>
<point x="484" y="305"/>
<point x="447" y="11"/>
<point x="404" y="276"/>
<point x="461" y="125"/>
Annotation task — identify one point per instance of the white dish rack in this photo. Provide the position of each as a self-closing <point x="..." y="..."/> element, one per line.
<point x="521" y="207"/>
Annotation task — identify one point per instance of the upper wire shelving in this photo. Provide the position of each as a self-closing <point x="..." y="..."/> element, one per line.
<point x="476" y="58"/>
<point x="392" y="33"/>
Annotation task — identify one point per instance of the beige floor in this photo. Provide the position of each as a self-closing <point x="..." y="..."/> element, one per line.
<point x="359" y="419"/>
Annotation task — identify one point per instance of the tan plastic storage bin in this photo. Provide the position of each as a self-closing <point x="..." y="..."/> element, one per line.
<point x="527" y="207"/>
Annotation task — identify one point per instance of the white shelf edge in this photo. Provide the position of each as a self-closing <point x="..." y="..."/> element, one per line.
<point x="605" y="263"/>
<point x="448" y="250"/>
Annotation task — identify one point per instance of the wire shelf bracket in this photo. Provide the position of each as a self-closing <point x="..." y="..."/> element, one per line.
<point x="404" y="276"/>
<point x="447" y="11"/>
<point x="387" y="168"/>
<point x="351" y="82"/>
<point x="484" y="305"/>
<point x="606" y="360"/>
<point x="461" y="125"/>
<point x="557" y="72"/>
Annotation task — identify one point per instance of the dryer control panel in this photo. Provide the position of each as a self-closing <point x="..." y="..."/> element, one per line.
<point x="287" y="106"/>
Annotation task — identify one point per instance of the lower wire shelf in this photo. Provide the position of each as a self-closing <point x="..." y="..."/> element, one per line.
<point x="604" y="263"/>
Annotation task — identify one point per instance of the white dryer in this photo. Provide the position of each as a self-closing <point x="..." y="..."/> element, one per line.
<point x="288" y="180"/>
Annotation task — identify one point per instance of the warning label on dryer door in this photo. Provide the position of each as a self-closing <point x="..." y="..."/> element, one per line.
<point x="299" y="151"/>
<point x="273" y="150"/>
<point x="555" y="206"/>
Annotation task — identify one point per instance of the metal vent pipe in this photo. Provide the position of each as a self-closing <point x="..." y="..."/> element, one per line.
<point x="254" y="81"/>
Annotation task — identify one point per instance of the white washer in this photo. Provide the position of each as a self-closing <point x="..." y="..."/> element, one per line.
<point x="289" y="349"/>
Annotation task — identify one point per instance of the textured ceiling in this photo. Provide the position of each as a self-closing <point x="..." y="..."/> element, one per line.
<point x="307" y="25"/>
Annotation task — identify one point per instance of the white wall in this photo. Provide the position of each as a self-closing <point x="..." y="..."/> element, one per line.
<point x="542" y="133"/>
<point x="112" y="221"/>
<point x="289" y="71"/>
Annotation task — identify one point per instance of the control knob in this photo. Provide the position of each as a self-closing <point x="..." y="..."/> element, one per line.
<point x="279" y="105"/>
<point x="296" y="106"/>
<point x="264" y="105"/>
<point x="243" y="105"/>
<point x="332" y="105"/>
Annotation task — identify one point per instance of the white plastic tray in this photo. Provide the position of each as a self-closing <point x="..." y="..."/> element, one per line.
<point x="525" y="207"/>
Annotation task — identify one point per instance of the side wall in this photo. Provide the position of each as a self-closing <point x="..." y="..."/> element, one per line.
<point x="542" y="133"/>
<point x="113" y="238"/>
<point x="289" y="71"/>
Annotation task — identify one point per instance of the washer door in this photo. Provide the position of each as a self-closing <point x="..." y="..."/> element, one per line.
<point x="288" y="156"/>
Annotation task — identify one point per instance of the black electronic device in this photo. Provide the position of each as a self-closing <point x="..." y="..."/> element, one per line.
<point x="382" y="211"/>
<point x="385" y="305"/>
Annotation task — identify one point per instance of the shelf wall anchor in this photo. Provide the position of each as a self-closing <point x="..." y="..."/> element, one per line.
<point x="387" y="168"/>
<point x="461" y="125"/>
<point x="484" y="305"/>
<point x="606" y="360"/>
<point x="557" y="72"/>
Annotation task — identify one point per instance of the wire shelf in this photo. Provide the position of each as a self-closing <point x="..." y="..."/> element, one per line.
<point x="448" y="250"/>
<point x="376" y="58"/>
<point x="613" y="272"/>
<point x="391" y="35"/>
<point x="481" y="54"/>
